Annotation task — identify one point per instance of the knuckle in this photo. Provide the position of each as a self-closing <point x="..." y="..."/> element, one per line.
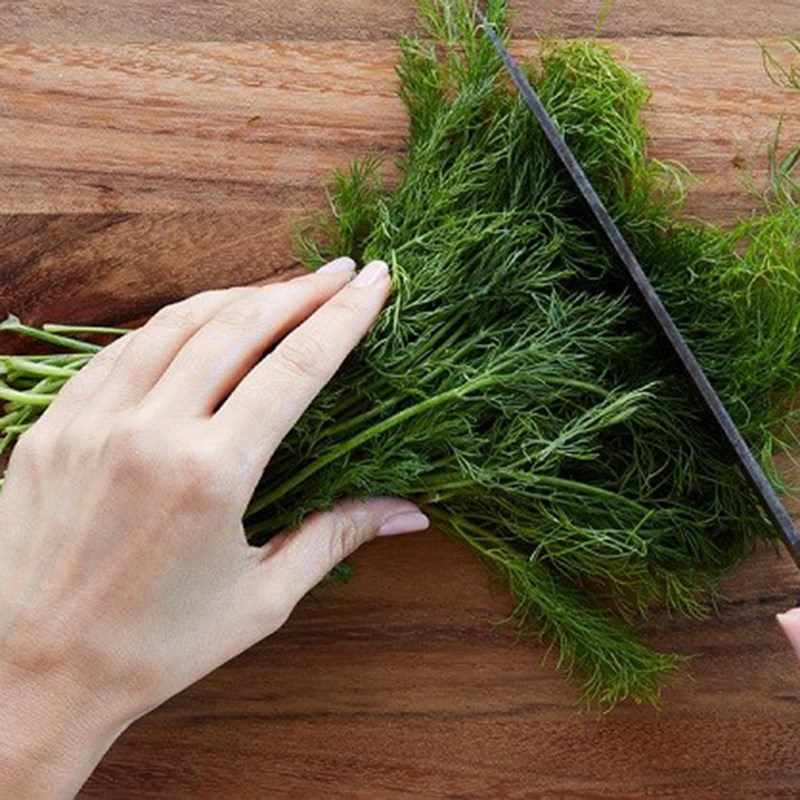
<point x="345" y="536"/>
<point x="142" y="451"/>
<point x="240" y="316"/>
<point x="346" y="305"/>
<point x="100" y="362"/>
<point x="134" y="361"/>
<point x="108" y="354"/>
<point x="196" y="468"/>
<point x="177" y="317"/>
<point x="199" y="483"/>
<point x="31" y="447"/>
<point x="132" y="448"/>
<point x="79" y="386"/>
<point x="273" y="605"/>
<point x="303" y="357"/>
<point x="73" y="440"/>
<point x="128" y="435"/>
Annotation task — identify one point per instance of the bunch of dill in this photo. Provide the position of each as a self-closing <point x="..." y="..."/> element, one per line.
<point x="513" y="386"/>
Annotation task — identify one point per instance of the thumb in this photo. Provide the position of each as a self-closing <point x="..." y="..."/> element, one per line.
<point x="790" y="623"/>
<point x="298" y="560"/>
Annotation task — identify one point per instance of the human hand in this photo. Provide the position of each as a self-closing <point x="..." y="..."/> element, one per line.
<point x="125" y="574"/>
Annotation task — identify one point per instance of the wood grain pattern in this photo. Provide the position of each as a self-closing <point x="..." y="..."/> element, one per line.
<point x="397" y="686"/>
<point x="149" y="150"/>
<point x="203" y="156"/>
<point x="370" y="20"/>
<point x="120" y="267"/>
<point x="178" y="127"/>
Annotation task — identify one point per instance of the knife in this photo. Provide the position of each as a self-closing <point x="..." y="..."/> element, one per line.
<point x="770" y="501"/>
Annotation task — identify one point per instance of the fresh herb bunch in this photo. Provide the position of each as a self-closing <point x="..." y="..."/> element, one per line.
<point x="513" y="385"/>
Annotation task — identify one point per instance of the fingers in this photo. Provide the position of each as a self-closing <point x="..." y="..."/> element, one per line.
<point x="790" y="623"/>
<point x="218" y="355"/>
<point x="270" y="399"/>
<point x="296" y="561"/>
<point x="149" y="350"/>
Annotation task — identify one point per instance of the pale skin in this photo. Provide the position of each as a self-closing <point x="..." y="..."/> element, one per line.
<point x="125" y="574"/>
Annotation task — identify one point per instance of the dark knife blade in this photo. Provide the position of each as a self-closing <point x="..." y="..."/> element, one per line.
<point x="770" y="501"/>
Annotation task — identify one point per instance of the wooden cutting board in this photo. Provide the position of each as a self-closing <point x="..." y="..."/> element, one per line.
<point x="149" y="150"/>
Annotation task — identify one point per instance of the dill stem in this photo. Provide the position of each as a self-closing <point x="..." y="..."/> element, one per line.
<point x="18" y="430"/>
<point x="100" y="330"/>
<point x="358" y="421"/>
<point x="54" y="358"/>
<point x="66" y="342"/>
<point x="10" y="419"/>
<point x="24" y="398"/>
<point x="23" y="365"/>
<point x="261" y="501"/>
<point x="455" y="480"/>
<point x="365" y="416"/>
<point x="378" y="408"/>
<point x="456" y="525"/>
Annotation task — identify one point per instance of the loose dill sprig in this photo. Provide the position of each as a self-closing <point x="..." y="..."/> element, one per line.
<point x="780" y="72"/>
<point x="513" y="386"/>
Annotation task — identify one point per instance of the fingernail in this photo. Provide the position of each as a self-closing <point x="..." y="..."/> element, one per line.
<point x="373" y="273"/>
<point x="406" y="522"/>
<point x="343" y="264"/>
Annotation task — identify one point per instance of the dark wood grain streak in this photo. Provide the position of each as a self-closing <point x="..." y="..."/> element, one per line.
<point x="115" y="268"/>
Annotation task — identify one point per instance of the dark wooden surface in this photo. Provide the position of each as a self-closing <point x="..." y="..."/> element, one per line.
<point x="148" y="150"/>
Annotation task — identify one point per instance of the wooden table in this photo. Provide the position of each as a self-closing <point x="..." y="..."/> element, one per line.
<point x="152" y="149"/>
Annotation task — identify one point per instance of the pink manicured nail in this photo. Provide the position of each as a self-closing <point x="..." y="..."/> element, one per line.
<point x="343" y="264"/>
<point x="406" y="522"/>
<point x="374" y="272"/>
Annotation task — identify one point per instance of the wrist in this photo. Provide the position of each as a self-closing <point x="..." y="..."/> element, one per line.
<point x="53" y="732"/>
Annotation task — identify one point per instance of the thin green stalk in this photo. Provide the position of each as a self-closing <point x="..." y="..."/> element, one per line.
<point x="18" y="430"/>
<point x="264" y="500"/>
<point x="9" y="419"/>
<point x="455" y="480"/>
<point x="95" y="330"/>
<point x="24" y="398"/>
<point x="12" y="325"/>
<point x="27" y="366"/>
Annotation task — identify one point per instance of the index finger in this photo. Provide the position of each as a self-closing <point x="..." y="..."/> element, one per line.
<point x="273" y="395"/>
